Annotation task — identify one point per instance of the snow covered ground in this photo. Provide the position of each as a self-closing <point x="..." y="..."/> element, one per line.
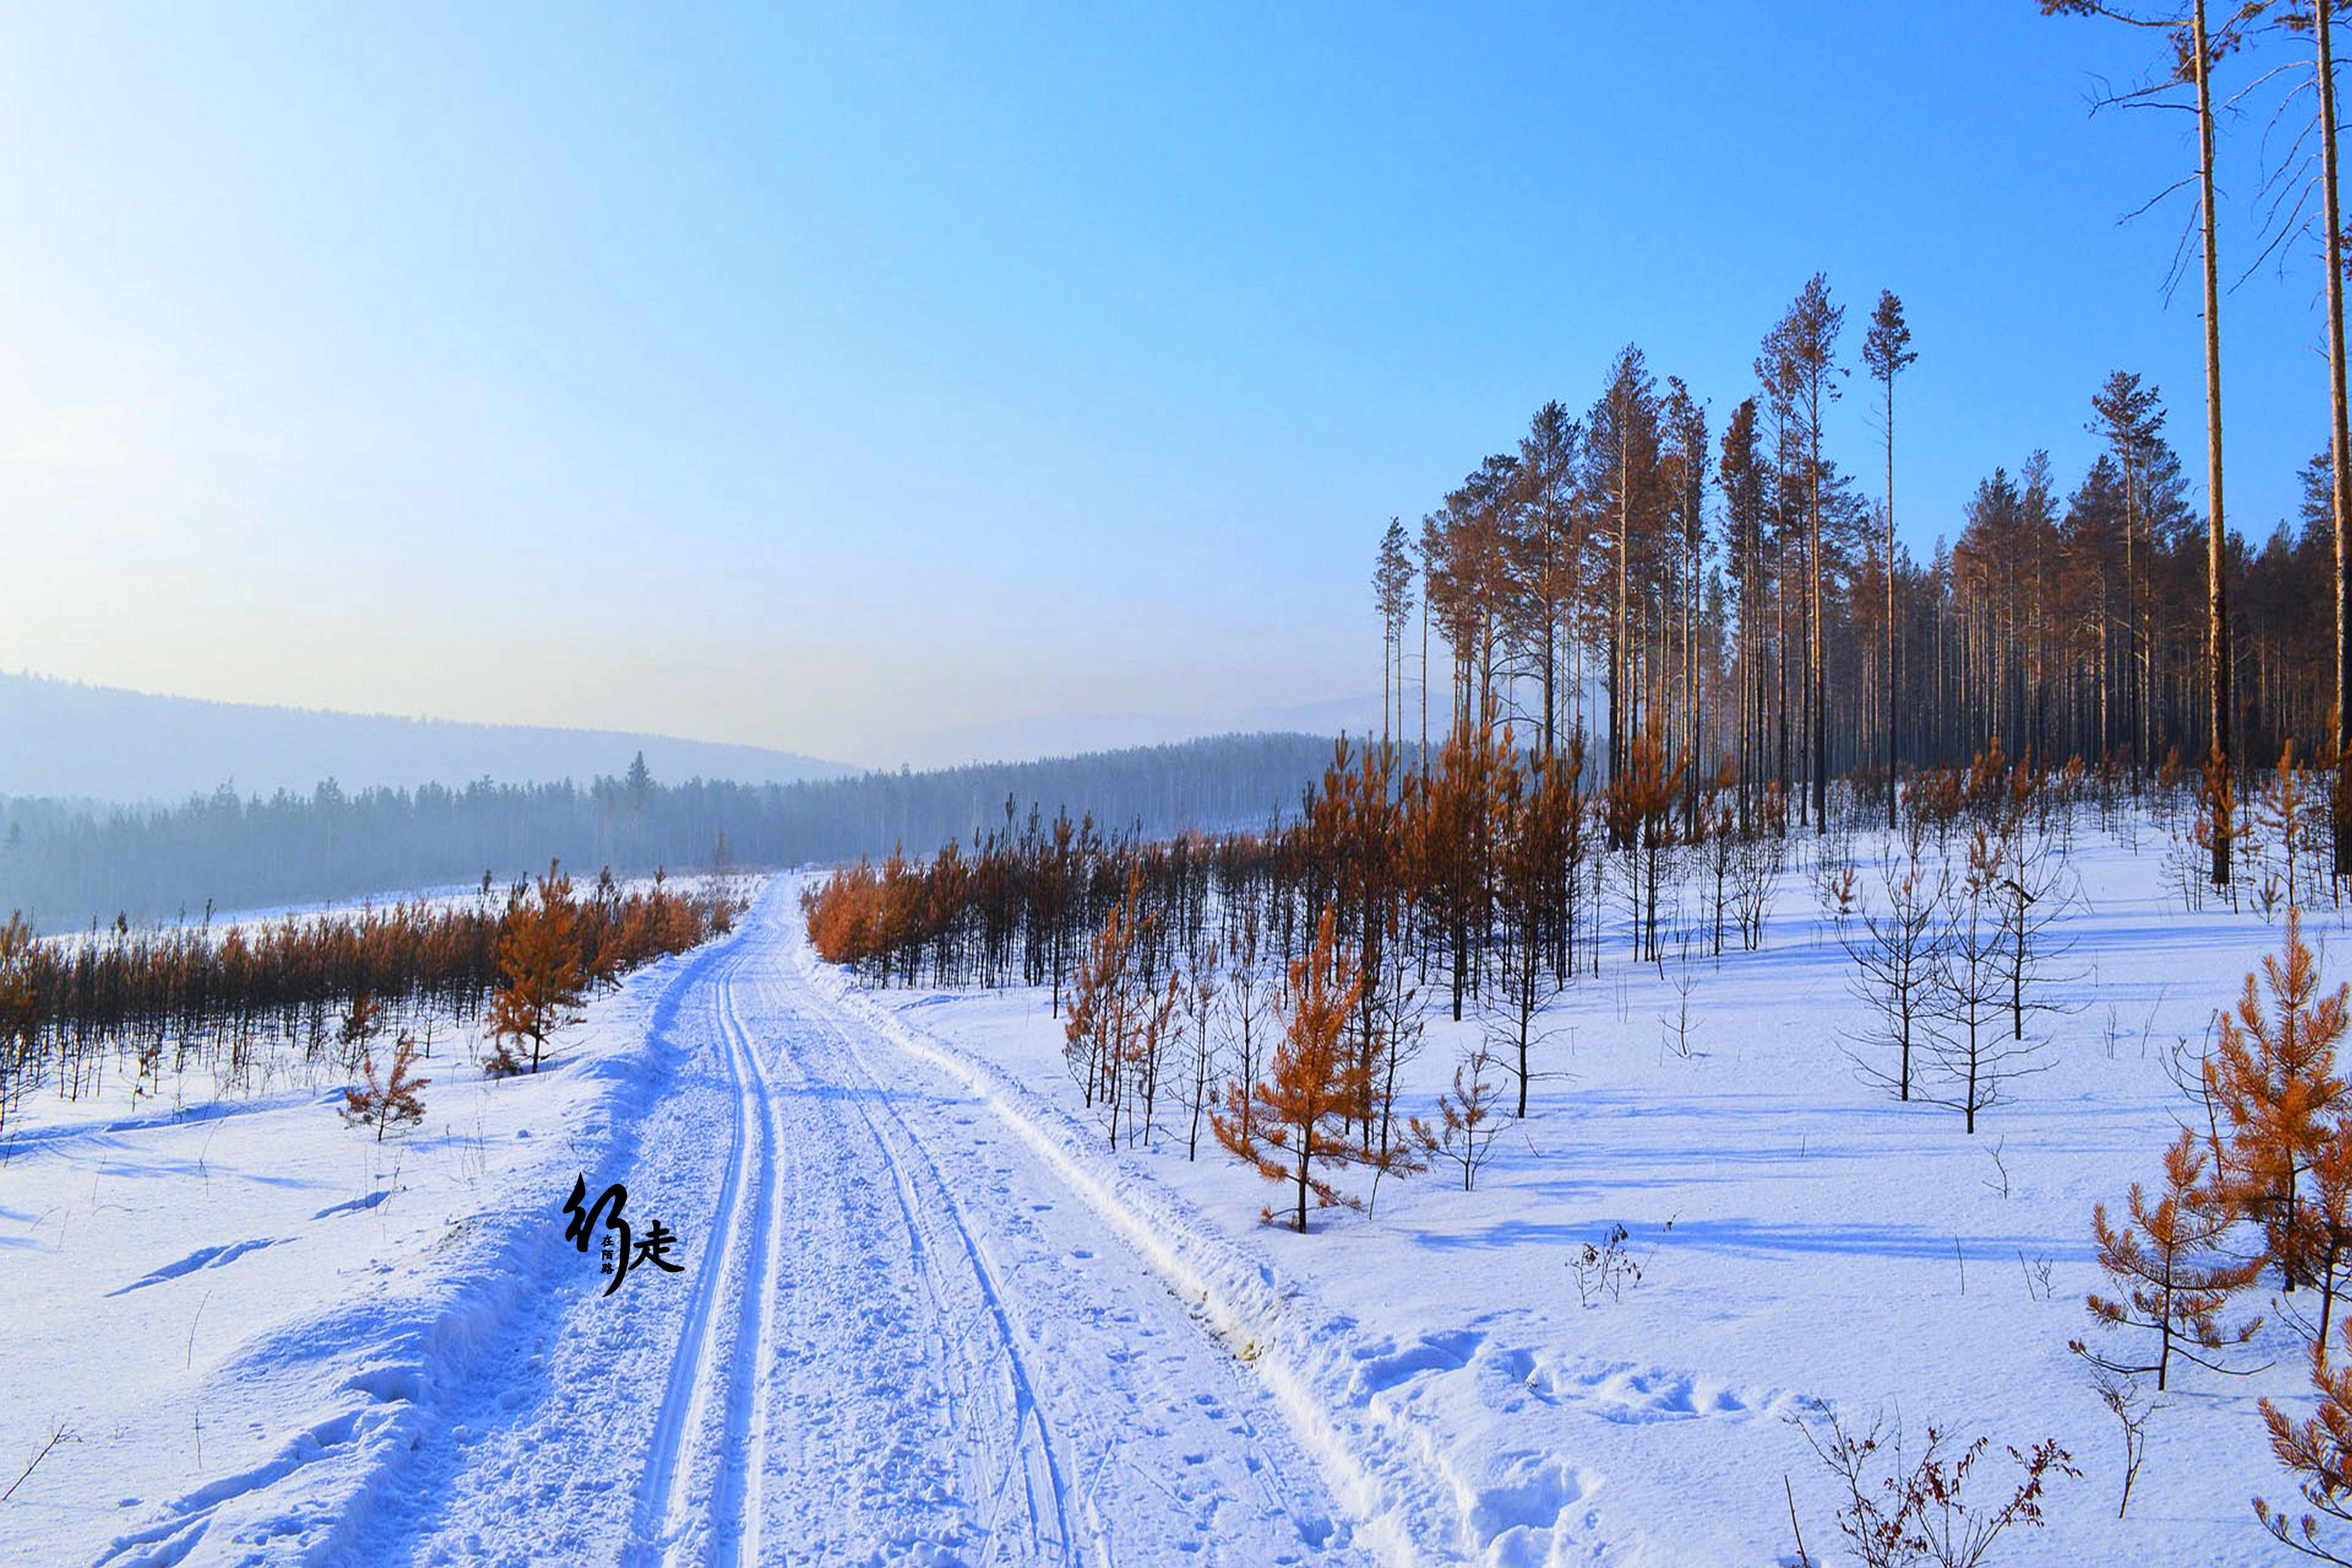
<point x="1801" y="1236"/>
<point x="899" y="1336"/>
<point x="925" y="1318"/>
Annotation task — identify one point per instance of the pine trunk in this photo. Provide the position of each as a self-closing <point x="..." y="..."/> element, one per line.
<point x="2216" y="602"/>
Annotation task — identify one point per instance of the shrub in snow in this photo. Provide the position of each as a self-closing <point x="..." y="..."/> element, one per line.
<point x="1899" y="1512"/>
<point x="1605" y="1269"/>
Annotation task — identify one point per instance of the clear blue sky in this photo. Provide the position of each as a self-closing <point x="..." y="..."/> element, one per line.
<point x="904" y="386"/>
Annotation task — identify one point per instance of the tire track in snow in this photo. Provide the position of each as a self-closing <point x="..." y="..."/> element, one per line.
<point x="742" y="1249"/>
<point x="1118" y="1401"/>
<point x="1408" y="1503"/>
<point x="1029" y="1413"/>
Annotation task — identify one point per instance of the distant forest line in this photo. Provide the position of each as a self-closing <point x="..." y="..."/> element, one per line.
<point x="66" y="864"/>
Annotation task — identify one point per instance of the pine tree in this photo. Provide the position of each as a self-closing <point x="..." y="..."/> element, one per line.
<point x="2194" y="47"/>
<point x="1392" y="597"/>
<point x="2273" y="1079"/>
<point x="2318" y="1454"/>
<point x="1886" y="352"/>
<point x="1802" y="353"/>
<point x="2131" y="416"/>
<point x="543" y="974"/>
<point x="1296" y="1129"/>
<point x="391" y="1101"/>
<point x="1468" y="1118"/>
<point x="2174" y="1280"/>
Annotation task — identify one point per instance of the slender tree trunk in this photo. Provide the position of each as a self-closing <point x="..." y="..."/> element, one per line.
<point x="2217" y="600"/>
<point x="1617" y="653"/>
<point x="1818" y="642"/>
<point x="2341" y="436"/>
<point x="1780" y="669"/>
<point x="1891" y="703"/>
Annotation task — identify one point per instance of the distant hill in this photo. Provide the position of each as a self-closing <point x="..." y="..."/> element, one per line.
<point x="62" y="739"/>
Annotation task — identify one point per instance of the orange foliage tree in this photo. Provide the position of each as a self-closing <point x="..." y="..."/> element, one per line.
<point x="2273" y="1080"/>
<point x="389" y="1102"/>
<point x="542" y="975"/>
<point x="2318" y="1454"/>
<point x="20" y="1008"/>
<point x="2173" y="1278"/>
<point x="1296" y="1117"/>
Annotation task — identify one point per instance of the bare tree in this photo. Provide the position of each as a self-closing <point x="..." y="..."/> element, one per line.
<point x="1468" y="1118"/>
<point x="1972" y="990"/>
<point x="1897" y="953"/>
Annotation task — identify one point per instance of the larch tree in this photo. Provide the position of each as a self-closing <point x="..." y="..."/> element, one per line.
<point x="2273" y="1077"/>
<point x="1886" y="352"/>
<point x="2326" y="1221"/>
<point x="1896" y="947"/>
<point x="1468" y="1118"/>
<point x="2173" y="1278"/>
<point x="389" y="1100"/>
<point x="542" y="975"/>
<point x="1534" y="800"/>
<point x="21" y="1008"/>
<point x="2317" y="1453"/>
<point x="1296" y="1126"/>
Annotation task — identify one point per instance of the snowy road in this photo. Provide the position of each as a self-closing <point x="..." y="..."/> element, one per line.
<point x="901" y="1339"/>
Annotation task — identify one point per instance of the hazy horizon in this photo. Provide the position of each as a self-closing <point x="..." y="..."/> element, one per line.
<point x="1030" y="739"/>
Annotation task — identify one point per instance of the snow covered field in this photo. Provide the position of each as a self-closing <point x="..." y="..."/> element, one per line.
<point x="925" y="1318"/>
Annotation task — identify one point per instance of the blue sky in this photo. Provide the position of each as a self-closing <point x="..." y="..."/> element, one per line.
<point x="899" y="385"/>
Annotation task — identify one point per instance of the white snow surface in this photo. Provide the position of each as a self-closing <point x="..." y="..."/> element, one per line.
<point x="928" y="1318"/>
<point x="902" y="1335"/>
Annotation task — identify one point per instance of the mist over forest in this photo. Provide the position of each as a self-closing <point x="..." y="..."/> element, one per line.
<point x="66" y="863"/>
